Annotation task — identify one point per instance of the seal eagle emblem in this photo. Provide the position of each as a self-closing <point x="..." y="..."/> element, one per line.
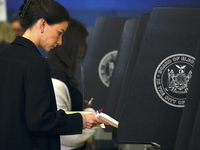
<point x="106" y="67"/>
<point x="172" y="77"/>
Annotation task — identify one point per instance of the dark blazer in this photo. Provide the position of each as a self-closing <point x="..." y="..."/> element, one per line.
<point x="3" y="44"/>
<point x="29" y="119"/>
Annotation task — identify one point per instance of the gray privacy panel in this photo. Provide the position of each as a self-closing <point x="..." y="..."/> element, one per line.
<point x="129" y="47"/>
<point x="118" y="98"/>
<point x="143" y="20"/>
<point x="122" y="61"/>
<point x="160" y="79"/>
<point x="189" y="129"/>
<point x="98" y="65"/>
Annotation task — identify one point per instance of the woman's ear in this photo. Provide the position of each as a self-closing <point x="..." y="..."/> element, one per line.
<point x="41" y="25"/>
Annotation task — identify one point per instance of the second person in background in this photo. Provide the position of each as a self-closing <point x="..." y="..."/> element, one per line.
<point x="16" y="26"/>
<point x="63" y="60"/>
<point x="6" y="34"/>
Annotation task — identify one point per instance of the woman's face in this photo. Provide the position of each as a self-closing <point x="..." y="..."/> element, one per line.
<point x="52" y="35"/>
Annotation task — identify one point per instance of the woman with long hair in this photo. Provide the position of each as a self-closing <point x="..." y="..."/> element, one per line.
<point x="63" y="60"/>
<point x="29" y="119"/>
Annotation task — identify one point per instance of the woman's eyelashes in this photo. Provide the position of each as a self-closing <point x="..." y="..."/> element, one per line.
<point x="60" y="33"/>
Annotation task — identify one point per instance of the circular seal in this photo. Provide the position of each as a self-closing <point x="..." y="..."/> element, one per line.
<point x="106" y="67"/>
<point x="172" y="77"/>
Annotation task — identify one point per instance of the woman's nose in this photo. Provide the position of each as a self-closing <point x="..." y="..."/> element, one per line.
<point x="59" y="42"/>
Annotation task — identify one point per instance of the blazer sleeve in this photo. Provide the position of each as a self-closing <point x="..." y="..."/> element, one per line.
<point x="41" y="113"/>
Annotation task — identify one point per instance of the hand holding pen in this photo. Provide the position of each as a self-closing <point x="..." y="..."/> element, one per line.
<point x="91" y="120"/>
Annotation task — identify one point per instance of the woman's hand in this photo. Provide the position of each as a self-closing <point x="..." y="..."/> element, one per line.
<point x="91" y="120"/>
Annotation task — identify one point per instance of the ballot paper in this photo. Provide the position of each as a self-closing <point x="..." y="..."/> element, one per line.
<point x="107" y="118"/>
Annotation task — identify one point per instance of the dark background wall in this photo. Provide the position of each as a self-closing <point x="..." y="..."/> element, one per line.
<point x="87" y="11"/>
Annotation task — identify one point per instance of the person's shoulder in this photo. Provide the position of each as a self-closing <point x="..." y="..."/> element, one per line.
<point x="21" y="53"/>
<point x="57" y="73"/>
<point x="3" y="45"/>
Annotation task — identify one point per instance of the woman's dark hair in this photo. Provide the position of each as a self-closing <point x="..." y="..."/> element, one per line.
<point x="73" y="48"/>
<point x="50" y="10"/>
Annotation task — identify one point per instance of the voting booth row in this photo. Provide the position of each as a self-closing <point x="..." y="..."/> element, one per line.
<point x="145" y="73"/>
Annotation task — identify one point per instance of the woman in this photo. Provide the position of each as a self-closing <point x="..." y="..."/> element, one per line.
<point x="62" y="61"/>
<point x="29" y="119"/>
<point x="6" y="34"/>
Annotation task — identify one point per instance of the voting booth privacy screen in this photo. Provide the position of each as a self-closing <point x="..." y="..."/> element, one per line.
<point x="99" y="62"/>
<point x="130" y="44"/>
<point x="160" y="80"/>
<point x="189" y="129"/>
<point x="147" y="80"/>
<point x="129" y="47"/>
<point x="122" y="61"/>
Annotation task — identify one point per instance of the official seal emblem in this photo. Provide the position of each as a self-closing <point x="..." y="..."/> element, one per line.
<point x="172" y="77"/>
<point x="106" y="67"/>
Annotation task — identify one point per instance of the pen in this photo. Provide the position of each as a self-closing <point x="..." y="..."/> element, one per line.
<point x="90" y="101"/>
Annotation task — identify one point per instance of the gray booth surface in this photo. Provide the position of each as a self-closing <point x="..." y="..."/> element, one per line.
<point x="143" y="20"/>
<point x="99" y="62"/>
<point x="189" y="129"/>
<point x="129" y="47"/>
<point x="160" y="80"/>
<point x="119" y="73"/>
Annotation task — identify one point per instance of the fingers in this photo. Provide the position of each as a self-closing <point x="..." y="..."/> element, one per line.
<point x="91" y="120"/>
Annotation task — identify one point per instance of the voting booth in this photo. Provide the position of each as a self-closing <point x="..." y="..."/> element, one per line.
<point x="99" y="62"/>
<point x="143" y="20"/>
<point x="122" y="61"/>
<point x="130" y="42"/>
<point x="160" y="79"/>
<point x="189" y="129"/>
